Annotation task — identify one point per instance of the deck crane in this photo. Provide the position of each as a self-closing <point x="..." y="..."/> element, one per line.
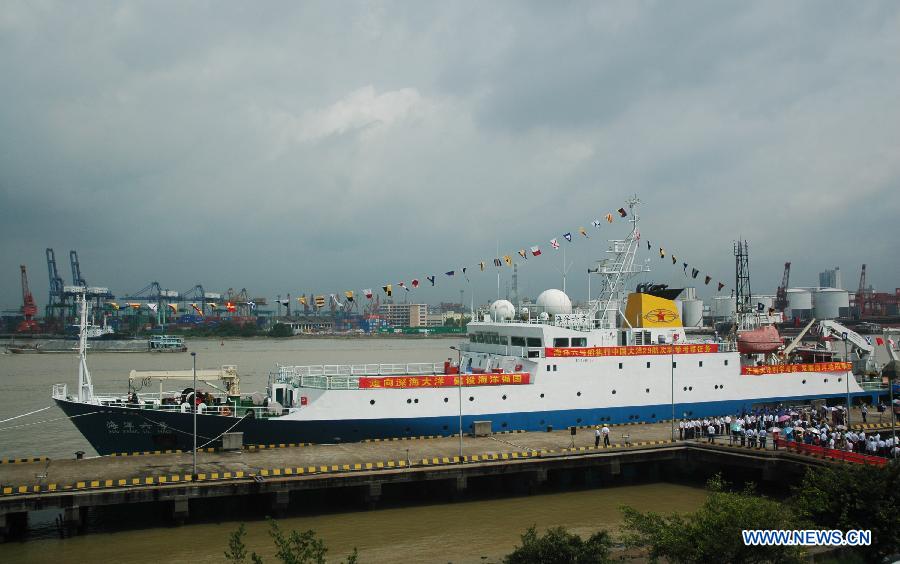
<point x="29" y="309"/>
<point x="857" y="344"/>
<point x="781" y="302"/>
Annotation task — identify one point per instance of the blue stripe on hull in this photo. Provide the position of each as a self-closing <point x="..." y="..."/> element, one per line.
<point x="119" y="429"/>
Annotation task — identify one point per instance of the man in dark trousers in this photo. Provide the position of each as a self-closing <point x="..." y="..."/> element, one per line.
<point x="597" y="436"/>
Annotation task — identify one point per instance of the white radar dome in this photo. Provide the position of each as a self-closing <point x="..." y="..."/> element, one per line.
<point x="554" y="302"/>
<point x="502" y="310"/>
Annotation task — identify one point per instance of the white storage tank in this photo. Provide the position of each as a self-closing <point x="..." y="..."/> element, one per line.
<point x="799" y="303"/>
<point x="830" y="303"/>
<point x="723" y="307"/>
<point x="767" y="302"/>
<point x="692" y="313"/>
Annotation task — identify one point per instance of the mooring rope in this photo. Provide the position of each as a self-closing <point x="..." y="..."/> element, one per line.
<point x="48" y="421"/>
<point x="27" y="414"/>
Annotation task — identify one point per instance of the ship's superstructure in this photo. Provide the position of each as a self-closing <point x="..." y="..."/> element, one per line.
<point x="622" y="358"/>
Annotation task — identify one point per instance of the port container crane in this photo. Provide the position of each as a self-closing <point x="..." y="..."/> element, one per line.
<point x="56" y="304"/>
<point x="77" y="279"/>
<point x="29" y="309"/>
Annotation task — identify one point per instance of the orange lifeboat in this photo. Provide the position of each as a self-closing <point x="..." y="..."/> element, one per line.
<point x="760" y="340"/>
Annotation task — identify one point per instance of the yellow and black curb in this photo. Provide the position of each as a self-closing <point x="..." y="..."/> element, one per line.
<point x="616" y="445"/>
<point x="175" y="479"/>
<point x="870" y="426"/>
<point x="24" y="460"/>
<point x="152" y="452"/>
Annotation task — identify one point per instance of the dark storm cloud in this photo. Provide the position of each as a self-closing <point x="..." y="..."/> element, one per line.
<point x="319" y="147"/>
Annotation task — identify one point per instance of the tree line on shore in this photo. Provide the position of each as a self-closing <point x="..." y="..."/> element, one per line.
<point x="837" y="497"/>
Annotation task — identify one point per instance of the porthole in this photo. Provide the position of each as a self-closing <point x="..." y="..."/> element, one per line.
<point x="614" y="392"/>
<point x="408" y="400"/>
<point x="504" y="396"/>
<point x="839" y="379"/>
<point x="648" y="365"/>
<point x="685" y="388"/>
<point x="804" y="381"/>
<point x="620" y="366"/>
<point x="647" y="390"/>
<point x="701" y="364"/>
<point x="471" y="398"/>
<point x="674" y="365"/>
<point x="690" y="388"/>
<point x="717" y="386"/>
<point x="542" y="395"/>
<point x="826" y="380"/>
<point x="578" y="394"/>
<point x="554" y="368"/>
<point x="726" y="362"/>
<point x="548" y="368"/>
<point x="416" y="400"/>
<point x="446" y="400"/>
<point x="721" y="386"/>
<point x="371" y="402"/>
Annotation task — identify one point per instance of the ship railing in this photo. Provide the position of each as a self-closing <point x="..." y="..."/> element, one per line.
<point x="330" y="370"/>
<point x="330" y="382"/>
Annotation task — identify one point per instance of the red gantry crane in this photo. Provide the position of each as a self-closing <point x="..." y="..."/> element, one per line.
<point x="27" y="325"/>
<point x="781" y="295"/>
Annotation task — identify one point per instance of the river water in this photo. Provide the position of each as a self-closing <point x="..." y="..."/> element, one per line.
<point x="473" y="531"/>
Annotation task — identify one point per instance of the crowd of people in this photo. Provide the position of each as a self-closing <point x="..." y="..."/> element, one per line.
<point x="823" y="427"/>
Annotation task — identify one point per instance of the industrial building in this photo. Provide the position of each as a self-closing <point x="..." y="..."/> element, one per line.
<point x="405" y="315"/>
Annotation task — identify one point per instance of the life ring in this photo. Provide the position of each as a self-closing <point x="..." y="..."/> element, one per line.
<point x="226" y="411"/>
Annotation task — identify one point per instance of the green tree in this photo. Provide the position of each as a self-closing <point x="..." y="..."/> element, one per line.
<point x="559" y="546"/>
<point x="855" y="497"/>
<point x="294" y="548"/>
<point x="281" y="330"/>
<point x="713" y="532"/>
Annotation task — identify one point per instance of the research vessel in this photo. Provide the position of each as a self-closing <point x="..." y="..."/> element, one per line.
<point x="625" y="357"/>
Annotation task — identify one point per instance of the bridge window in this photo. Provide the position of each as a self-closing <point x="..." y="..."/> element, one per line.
<point x="726" y="362"/>
<point x="561" y="342"/>
<point x="579" y="341"/>
<point x="648" y="365"/>
<point x="534" y="341"/>
<point x="701" y="364"/>
<point x="517" y="341"/>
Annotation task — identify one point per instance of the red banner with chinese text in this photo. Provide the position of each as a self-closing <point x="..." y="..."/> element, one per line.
<point x="789" y="368"/>
<point x="442" y="381"/>
<point x="640" y="350"/>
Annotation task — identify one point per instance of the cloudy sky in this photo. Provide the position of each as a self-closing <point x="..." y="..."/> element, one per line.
<point x="322" y="146"/>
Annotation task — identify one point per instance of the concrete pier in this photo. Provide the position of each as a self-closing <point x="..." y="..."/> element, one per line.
<point x="520" y="463"/>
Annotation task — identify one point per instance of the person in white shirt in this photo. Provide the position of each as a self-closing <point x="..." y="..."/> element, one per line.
<point x="681" y="430"/>
<point x="605" y="432"/>
<point x="712" y="433"/>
